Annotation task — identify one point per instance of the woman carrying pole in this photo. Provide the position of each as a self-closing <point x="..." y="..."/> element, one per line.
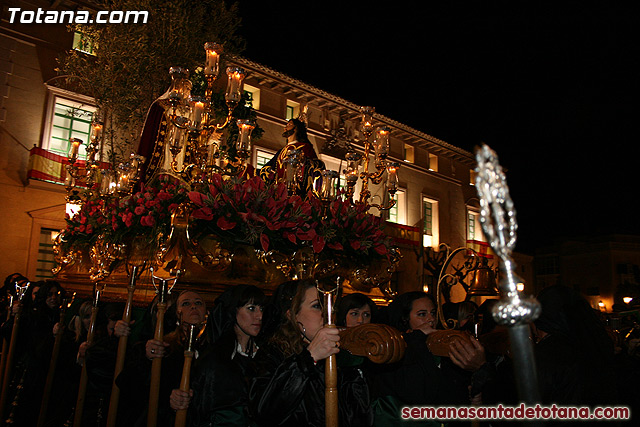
<point x="289" y="389"/>
<point x="82" y="387"/>
<point x="222" y="374"/>
<point x="137" y="376"/>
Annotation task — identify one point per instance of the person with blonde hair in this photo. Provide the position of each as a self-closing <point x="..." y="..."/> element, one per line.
<point x="289" y="386"/>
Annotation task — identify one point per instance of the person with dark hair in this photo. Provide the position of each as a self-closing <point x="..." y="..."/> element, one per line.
<point x="459" y="315"/>
<point x="100" y="360"/>
<point x="355" y="309"/>
<point x="221" y="375"/>
<point x="420" y="378"/>
<point x="289" y="386"/>
<point x="35" y="345"/>
<point x="10" y="281"/>
<point x="295" y="132"/>
<point x="9" y="288"/>
<point x="574" y="353"/>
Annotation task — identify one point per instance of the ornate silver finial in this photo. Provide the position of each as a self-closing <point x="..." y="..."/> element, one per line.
<point x="497" y="215"/>
<point x="498" y="220"/>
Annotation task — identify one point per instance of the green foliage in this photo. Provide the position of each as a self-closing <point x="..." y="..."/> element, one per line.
<point x="129" y="66"/>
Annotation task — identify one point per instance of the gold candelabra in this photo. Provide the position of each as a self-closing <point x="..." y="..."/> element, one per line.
<point x="379" y="148"/>
<point x="74" y="173"/>
<point x="194" y="135"/>
<point x="119" y="181"/>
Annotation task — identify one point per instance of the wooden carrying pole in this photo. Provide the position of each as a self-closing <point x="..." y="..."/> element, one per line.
<point x="122" y="351"/>
<point x="181" y="414"/>
<point x="5" y="343"/>
<point x="82" y="387"/>
<point x="330" y="370"/>
<point x="8" y="372"/>
<point x="156" y="363"/>
<point x="48" y="386"/>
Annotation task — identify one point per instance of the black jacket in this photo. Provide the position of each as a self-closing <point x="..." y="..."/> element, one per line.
<point x="290" y="392"/>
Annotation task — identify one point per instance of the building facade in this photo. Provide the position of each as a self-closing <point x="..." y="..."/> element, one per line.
<point x="606" y="269"/>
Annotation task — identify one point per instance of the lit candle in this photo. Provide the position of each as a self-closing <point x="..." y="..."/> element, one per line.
<point x="235" y="84"/>
<point x="245" y="127"/>
<point x="97" y="132"/>
<point x="392" y="178"/>
<point x="136" y="161"/>
<point x="197" y="109"/>
<point x="367" y="119"/>
<point x="123" y="182"/>
<point x="212" y="64"/>
<point x="74" y="148"/>
<point x="382" y="142"/>
<point x="106" y="184"/>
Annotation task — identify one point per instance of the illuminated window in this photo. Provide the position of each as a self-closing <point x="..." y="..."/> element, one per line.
<point x="433" y="162"/>
<point x="68" y="116"/>
<point x="293" y="110"/>
<point x="262" y="157"/>
<point x="408" y="153"/>
<point x="253" y="96"/>
<point x="82" y="43"/>
<point x="474" y="229"/>
<point x="430" y="222"/>
<point x="427" y="215"/>
<point x="472" y="177"/>
<point x="398" y="213"/>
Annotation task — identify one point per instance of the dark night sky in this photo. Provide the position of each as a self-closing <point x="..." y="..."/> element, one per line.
<point x="551" y="86"/>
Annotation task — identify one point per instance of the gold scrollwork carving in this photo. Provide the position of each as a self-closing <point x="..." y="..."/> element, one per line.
<point x="104" y="255"/>
<point x="63" y="259"/>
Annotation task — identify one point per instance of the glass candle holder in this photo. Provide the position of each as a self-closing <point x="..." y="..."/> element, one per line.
<point x="352" y="171"/>
<point x="74" y="149"/>
<point x="243" y="144"/>
<point x="392" y="178"/>
<point x="235" y="84"/>
<point x="367" y="120"/>
<point x="212" y="63"/>
<point x="381" y="143"/>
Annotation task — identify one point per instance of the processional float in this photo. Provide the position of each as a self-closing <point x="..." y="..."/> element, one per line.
<point x="188" y="142"/>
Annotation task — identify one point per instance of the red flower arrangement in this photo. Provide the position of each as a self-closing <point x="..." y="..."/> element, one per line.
<point x="252" y="212"/>
<point x="145" y="213"/>
<point x="264" y="215"/>
<point x="248" y="212"/>
<point x="348" y="228"/>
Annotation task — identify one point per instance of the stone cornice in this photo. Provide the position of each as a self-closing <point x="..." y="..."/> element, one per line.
<point x="415" y="137"/>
